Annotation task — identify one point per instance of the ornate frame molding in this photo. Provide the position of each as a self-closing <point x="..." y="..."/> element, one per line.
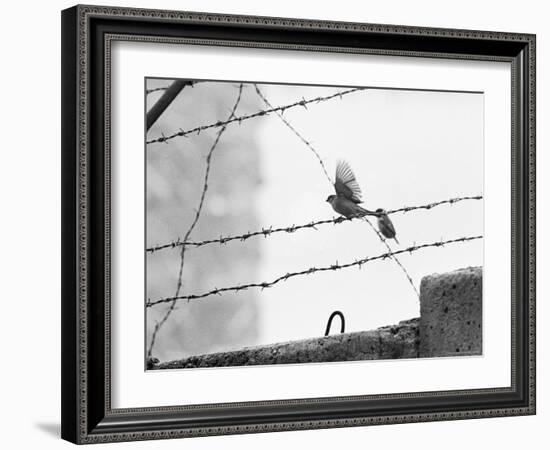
<point x="80" y="418"/>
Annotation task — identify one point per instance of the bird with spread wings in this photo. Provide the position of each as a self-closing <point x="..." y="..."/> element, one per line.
<point x="348" y="193"/>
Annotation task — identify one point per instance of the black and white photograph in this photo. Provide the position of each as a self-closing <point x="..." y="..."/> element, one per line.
<point x="294" y="224"/>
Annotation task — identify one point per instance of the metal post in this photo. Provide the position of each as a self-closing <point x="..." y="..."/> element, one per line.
<point x="169" y="95"/>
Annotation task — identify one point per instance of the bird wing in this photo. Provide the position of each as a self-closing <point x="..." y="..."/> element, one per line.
<point x="346" y="185"/>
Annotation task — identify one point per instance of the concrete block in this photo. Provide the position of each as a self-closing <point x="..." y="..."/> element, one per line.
<point x="451" y="313"/>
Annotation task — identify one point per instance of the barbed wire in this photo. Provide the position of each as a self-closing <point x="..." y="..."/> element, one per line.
<point x="311" y="270"/>
<point x="198" y="211"/>
<point x="303" y="103"/>
<point x="293" y="228"/>
<point x="450" y="201"/>
<point x="295" y="131"/>
<point x="243" y="237"/>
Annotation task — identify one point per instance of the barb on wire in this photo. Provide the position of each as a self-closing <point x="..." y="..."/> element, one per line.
<point x="291" y="229"/>
<point x="295" y="131"/>
<point x="311" y="270"/>
<point x="261" y="113"/>
<point x="392" y="255"/>
<point x="198" y="211"/>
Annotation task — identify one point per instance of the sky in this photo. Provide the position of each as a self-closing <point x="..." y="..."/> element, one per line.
<point x="407" y="148"/>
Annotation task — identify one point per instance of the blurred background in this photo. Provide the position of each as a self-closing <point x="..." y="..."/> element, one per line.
<point x="406" y="148"/>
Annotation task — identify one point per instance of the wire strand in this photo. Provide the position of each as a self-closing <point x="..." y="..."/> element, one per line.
<point x="333" y="267"/>
<point x="303" y="103"/>
<point x="293" y="228"/>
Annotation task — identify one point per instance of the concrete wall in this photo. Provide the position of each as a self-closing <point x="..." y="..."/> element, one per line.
<point x="449" y="325"/>
<point x="393" y="342"/>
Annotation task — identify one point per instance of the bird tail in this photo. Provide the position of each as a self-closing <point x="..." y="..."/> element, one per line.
<point x="396" y="240"/>
<point x="361" y="212"/>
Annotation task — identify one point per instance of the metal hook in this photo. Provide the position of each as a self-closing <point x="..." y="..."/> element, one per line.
<point x="342" y="322"/>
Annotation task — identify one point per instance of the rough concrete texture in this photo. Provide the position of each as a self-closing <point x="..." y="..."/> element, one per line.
<point x="390" y="342"/>
<point x="450" y="313"/>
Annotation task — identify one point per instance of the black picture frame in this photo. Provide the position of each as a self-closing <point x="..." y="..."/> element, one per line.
<point x="87" y="416"/>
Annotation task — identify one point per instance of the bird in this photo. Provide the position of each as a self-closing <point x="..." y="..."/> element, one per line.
<point x="348" y="193"/>
<point x="385" y="225"/>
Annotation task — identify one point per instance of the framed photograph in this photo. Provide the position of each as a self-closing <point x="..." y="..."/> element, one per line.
<point x="279" y="224"/>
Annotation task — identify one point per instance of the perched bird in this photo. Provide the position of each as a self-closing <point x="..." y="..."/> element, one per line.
<point x="385" y="225"/>
<point x="348" y="193"/>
